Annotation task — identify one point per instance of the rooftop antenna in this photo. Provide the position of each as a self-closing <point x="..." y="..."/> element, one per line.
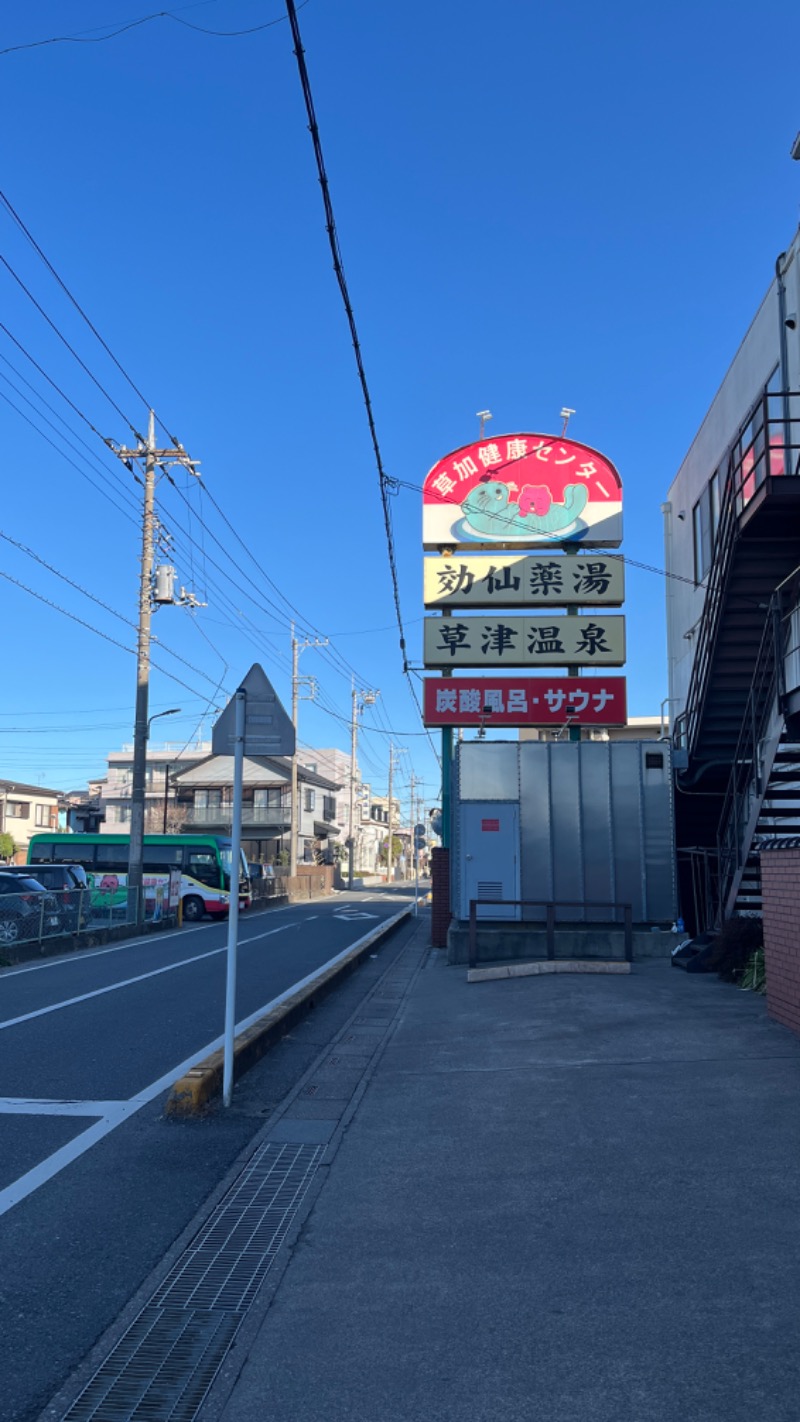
<point x="483" y="416"/>
<point x="565" y="415"/>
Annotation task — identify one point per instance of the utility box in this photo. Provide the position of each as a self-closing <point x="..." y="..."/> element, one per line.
<point x="578" y="825"/>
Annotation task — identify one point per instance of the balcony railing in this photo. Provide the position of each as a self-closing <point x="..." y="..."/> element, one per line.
<point x="275" y="818"/>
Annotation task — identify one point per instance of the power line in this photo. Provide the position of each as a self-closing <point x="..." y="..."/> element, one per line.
<point x="97" y="632"/>
<point x="51" y="381"/>
<point x="338" y="266"/>
<point x="80" y="37"/>
<point x="51" y="323"/>
<point x="60" y="452"/>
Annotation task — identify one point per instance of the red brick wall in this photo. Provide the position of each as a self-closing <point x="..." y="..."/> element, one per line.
<point x="780" y="887"/>
<point x="440" y="896"/>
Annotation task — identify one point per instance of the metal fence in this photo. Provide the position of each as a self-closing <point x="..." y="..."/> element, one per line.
<point x="38" y="917"/>
<point x="550" y="923"/>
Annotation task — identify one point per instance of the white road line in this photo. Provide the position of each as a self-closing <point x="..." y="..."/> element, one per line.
<point x="142" y="977"/>
<point x="23" y="1106"/>
<point x="83" y="954"/>
<point x="100" y="992"/>
<point x="154" y="938"/>
<point x="53" y="1165"/>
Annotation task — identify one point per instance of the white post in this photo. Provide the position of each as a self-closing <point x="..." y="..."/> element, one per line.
<point x="233" y="912"/>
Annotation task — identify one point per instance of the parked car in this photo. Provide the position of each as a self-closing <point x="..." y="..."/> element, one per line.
<point x="21" y="916"/>
<point x="65" y="881"/>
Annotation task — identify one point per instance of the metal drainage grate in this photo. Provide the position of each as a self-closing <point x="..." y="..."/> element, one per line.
<point x="164" y="1365"/>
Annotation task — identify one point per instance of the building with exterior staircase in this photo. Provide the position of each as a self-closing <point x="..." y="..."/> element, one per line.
<point x="732" y="536"/>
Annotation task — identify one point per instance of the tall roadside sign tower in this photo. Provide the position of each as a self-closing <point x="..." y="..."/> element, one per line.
<point x="513" y="529"/>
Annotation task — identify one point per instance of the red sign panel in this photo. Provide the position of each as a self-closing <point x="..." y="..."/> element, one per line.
<point x="490" y="826"/>
<point x="522" y="490"/>
<point x="526" y="701"/>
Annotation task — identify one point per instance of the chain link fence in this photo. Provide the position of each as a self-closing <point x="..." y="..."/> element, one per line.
<point x="36" y="917"/>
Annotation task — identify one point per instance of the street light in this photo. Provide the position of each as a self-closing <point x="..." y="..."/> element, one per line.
<point x="173" y="711"/>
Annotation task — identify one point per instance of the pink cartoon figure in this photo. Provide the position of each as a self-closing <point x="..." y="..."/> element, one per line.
<point x="109" y="884"/>
<point x="536" y="498"/>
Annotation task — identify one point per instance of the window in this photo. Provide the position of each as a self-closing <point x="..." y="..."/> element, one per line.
<point x="703" y="536"/>
<point x="309" y="800"/>
<point x="329" y="808"/>
<point x="162" y="856"/>
<point x="267" y="799"/>
<point x="18" y="809"/>
<point x="207" y="799"/>
<point x="112" y="858"/>
<point x="201" y="864"/>
<point x="123" y="814"/>
<point x="44" y="816"/>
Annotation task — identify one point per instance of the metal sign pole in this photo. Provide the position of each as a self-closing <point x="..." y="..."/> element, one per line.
<point x="233" y="912"/>
<point x="416" y="880"/>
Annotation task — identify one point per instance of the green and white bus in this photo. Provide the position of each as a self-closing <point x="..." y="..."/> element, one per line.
<point x="203" y="859"/>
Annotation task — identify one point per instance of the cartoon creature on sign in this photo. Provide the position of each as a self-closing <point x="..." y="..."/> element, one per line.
<point x="488" y="510"/>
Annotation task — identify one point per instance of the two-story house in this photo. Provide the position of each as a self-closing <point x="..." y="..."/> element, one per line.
<point x="26" y="810"/>
<point x="160" y="794"/>
<point x="205" y="802"/>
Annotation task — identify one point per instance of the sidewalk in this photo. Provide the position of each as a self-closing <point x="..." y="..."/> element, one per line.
<point x="570" y="1199"/>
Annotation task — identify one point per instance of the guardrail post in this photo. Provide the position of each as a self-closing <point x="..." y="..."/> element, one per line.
<point x="628" y="933"/>
<point x="551" y="931"/>
<point x="473" y="933"/>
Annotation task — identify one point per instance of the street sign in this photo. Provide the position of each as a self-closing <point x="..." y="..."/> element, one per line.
<point x="420" y="836"/>
<point x="525" y="701"/>
<point x="268" y="730"/>
<point x="532" y="641"/>
<point x="514" y="580"/>
<point x="522" y="490"/>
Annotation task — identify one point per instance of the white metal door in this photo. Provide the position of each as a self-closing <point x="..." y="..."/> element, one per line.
<point x="490" y="856"/>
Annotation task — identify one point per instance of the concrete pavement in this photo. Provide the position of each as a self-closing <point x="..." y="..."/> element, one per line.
<point x="566" y="1198"/>
<point x="85" y="1034"/>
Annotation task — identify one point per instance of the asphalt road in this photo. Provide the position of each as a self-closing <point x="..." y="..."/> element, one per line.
<point x="95" y="1183"/>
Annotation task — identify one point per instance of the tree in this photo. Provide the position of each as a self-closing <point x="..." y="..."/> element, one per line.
<point x="7" y="846"/>
<point x="397" y="850"/>
<point x="154" y="819"/>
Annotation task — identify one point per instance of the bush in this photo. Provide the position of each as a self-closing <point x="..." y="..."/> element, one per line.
<point x="738" y="940"/>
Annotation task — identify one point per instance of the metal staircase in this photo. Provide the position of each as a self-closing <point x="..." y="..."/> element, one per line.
<point x="762" y="802"/>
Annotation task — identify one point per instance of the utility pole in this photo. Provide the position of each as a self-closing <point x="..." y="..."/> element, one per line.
<point x="400" y="750"/>
<point x="389" y="844"/>
<point x="297" y="648"/>
<point x="135" y="856"/>
<point x="176" y="454"/>
<point x="360" y="700"/>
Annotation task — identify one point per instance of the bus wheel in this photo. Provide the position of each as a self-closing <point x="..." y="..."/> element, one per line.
<point x="193" y="909"/>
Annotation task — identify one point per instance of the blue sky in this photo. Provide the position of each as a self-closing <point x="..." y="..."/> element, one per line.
<point x="538" y="204"/>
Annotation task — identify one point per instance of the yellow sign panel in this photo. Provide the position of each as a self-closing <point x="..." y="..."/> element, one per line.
<point x="513" y="580"/>
<point x="536" y="640"/>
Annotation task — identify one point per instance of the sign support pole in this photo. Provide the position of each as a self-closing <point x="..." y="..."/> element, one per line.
<point x="233" y="913"/>
<point x="447" y="765"/>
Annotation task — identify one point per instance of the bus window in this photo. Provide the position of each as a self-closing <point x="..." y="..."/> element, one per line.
<point x="41" y="854"/>
<point x="162" y="856"/>
<point x="201" y="864"/>
<point x="112" y="858"/>
<point x="66" y="852"/>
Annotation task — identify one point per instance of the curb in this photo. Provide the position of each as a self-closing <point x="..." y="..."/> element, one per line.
<point x="198" y="1086"/>
<point x="558" y="965"/>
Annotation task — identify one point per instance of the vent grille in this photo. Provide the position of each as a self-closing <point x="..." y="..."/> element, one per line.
<point x="489" y="889"/>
